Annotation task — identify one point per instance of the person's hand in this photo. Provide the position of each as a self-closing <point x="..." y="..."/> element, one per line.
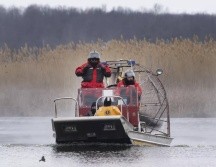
<point x="85" y="69"/>
<point x="103" y="67"/>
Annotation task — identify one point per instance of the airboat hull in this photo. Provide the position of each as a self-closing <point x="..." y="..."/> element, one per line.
<point x="112" y="129"/>
<point x="145" y="139"/>
<point x="107" y="129"/>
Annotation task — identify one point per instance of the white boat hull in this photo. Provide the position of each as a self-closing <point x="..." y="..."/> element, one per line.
<point x="145" y="139"/>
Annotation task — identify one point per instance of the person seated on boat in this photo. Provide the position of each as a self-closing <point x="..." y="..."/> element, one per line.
<point x="108" y="109"/>
<point x="93" y="110"/>
<point x="93" y="72"/>
<point x="127" y="83"/>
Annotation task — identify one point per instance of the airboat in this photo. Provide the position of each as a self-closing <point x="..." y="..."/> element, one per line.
<point x="144" y="120"/>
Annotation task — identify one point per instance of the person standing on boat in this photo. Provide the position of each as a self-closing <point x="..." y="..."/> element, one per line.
<point x="107" y="109"/>
<point x="93" y="72"/>
<point x="127" y="83"/>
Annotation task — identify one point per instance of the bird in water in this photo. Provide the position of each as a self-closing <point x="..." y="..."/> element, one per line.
<point x="42" y="159"/>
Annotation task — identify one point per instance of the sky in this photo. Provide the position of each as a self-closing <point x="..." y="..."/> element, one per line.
<point x="171" y="6"/>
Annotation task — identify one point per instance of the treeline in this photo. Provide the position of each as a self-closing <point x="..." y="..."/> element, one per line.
<point x="39" y="26"/>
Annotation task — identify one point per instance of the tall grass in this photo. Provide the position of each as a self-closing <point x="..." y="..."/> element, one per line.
<point x="30" y="78"/>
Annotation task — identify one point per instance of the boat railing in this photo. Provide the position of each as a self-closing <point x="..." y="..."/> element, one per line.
<point x="86" y="96"/>
<point x="65" y="98"/>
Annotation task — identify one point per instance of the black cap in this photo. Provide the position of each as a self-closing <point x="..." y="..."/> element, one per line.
<point x="107" y="101"/>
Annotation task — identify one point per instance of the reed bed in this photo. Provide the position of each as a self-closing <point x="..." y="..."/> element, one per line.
<point x="32" y="77"/>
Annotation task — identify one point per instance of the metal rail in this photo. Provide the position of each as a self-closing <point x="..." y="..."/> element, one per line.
<point x="65" y="98"/>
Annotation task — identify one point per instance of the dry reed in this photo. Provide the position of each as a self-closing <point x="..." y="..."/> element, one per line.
<point x="32" y="77"/>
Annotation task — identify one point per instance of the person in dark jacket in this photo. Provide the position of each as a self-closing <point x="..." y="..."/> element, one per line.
<point x="93" y="72"/>
<point x="93" y="110"/>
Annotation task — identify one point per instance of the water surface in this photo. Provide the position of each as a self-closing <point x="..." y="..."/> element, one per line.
<point x="23" y="141"/>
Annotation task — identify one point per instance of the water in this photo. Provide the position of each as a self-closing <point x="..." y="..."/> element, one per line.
<point x="23" y="141"/>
